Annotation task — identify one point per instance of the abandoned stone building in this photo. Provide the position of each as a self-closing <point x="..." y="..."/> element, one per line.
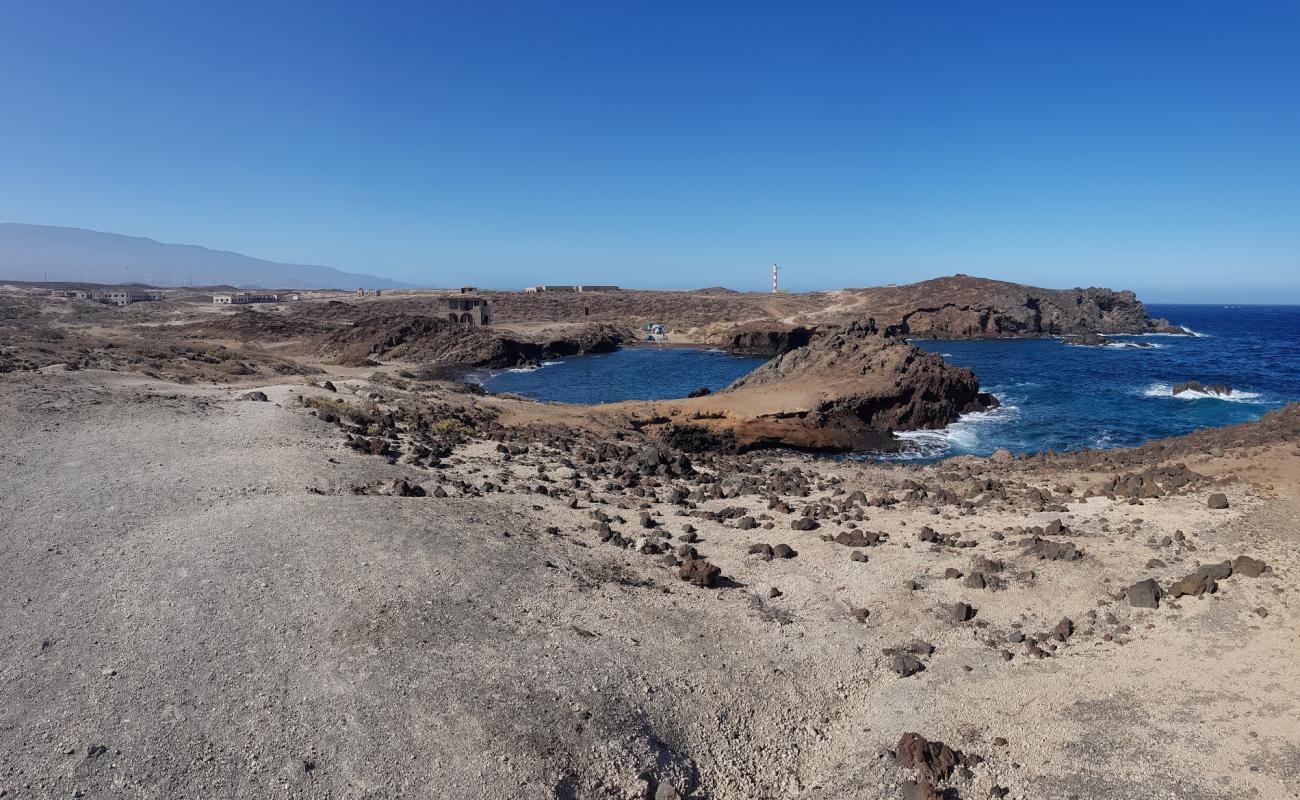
<point x="125" y="297"/>
<point x="467" y="309"/>
<point x="244" y="298"/>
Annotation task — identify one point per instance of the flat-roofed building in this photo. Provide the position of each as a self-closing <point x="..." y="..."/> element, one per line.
<point x="467" y="309"/>
<point x="244" y="298"/>
<point x="125" y="297"/>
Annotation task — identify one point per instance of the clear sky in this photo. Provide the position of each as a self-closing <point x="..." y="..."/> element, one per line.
<point x="1148" y="145"/>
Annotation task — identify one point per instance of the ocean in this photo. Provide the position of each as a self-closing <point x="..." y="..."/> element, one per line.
<point x="1054" y="395"/>
<point x="642" y="372"/>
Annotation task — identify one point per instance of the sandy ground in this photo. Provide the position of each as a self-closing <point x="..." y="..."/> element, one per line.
<point x="185" y="616"/>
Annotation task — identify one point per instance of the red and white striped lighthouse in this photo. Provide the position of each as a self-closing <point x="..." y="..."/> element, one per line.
<point x="774" y="279"/>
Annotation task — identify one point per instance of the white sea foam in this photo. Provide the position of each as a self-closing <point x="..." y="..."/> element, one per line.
<point x="1123" y="345"/>
<point x="962" y="436"/>
<point x="534" y="367"/>
<point x="1190" y="332"/>
<point x="1164" y="390"/>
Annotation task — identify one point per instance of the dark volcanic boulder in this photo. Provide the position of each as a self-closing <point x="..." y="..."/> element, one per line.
<point x="933" y="761"/>
<point x="1249" y="567"/>
<point x="1144" y="594"/>
<point x="699" y="572"/>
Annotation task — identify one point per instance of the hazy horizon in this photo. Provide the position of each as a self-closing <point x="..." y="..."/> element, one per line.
<point x="658" y="146"/>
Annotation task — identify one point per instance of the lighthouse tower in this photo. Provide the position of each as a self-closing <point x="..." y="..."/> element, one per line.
<point x="774" y="279"/>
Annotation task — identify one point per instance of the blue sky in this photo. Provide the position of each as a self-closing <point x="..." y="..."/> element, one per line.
<point x="1153" y="146"/>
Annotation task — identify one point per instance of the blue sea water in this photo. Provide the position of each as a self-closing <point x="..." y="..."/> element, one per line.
<point x="1064" y="397"/>
<point x="1054" y="395"/>
<point x="643" y="372"/>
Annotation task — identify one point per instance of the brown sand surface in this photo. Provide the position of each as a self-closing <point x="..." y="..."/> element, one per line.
<point x="195" y="603"/>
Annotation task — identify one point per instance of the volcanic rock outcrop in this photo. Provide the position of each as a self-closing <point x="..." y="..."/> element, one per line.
<point x="767" y="338"/>
<point x="428" y="339"/>
<point x="848" y="389"/>
<point x="963" y="307"/>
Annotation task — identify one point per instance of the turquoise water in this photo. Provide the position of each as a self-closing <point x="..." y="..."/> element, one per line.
<point x="1054" y="395"/>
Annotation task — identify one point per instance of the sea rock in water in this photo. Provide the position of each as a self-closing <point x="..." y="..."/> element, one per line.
<point x="1220" y="389"/>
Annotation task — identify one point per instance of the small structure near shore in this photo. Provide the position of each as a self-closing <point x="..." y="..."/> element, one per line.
<point x="468" y="309"/>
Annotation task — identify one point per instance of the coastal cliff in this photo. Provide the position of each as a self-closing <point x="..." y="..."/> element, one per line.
<point x="431" y="340"/>
<point x="848" y="389"/>
<point x="964" y="307"/>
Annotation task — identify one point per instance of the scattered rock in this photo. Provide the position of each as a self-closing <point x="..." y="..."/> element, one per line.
<point x="905" y="664"/>
<point x="961" y="612"/>
<point x="914" y="790"/>
<point x="257" y="397"/>
<point x="699" y="572"/>
<point x="1144" y="594"/>
<point x="1218" y="500"/>
<point x="933" y="761"/>
<point x="1249" y="567"/>
<point x="784" y="551"/>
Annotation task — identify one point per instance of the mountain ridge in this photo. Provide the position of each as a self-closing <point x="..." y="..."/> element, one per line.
<point x="56" y="253"/>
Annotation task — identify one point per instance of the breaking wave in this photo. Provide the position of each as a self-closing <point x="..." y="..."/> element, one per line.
<point x="966" y="435"/>
<point x="1164" y="390"/>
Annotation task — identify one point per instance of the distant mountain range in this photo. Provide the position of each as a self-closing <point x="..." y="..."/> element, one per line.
<point x="45" y="252"/>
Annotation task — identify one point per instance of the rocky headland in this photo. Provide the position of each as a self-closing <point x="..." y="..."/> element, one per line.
<point x="849" y="388"/>
<point x="964" y="307"/>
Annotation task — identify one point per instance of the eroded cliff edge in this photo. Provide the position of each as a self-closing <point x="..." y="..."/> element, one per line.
<point x="849" y="389"/>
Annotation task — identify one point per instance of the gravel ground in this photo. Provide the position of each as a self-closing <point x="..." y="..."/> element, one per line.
<point x="183" y="617"/>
